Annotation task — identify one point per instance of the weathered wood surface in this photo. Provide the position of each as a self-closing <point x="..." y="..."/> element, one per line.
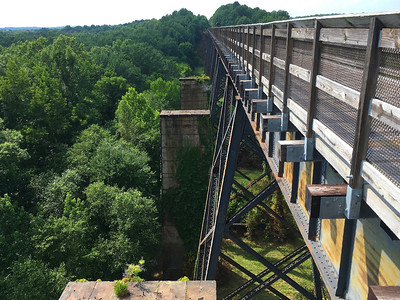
<point x="348" y="36"/>
<point x="279" y="63"/>
<point x="300" y="72"/>
<point x="376" y="257"/>
<point x="326" y="190"/>
<point x="146" y="290"/>
<point x="339" y="91"/>
<point x="377" y="292"/>
<point x="386" y="113"/>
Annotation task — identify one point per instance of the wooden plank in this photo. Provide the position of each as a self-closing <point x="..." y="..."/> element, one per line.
<point x="265" y="81"/>
<point x="326" y="190"/>
<point x="281" y="32"/>
<point x="303" y="33"/>
<point x="383" y="186"/>
<point x="339" y="91"/>
<point x="279" y="63"/>
<point x="386" y="113"/>
<point x="390" y="38"/>
<point x="267" y="32"/>
<point x="256" y="74"/>
<point x="297" y="110"/>
<point x="277" y="92"/>
<point x="297" y="122"/>
<point x="332" y="140"/>
<point x="278" y="103"/>
<point x="300" y="72"/>
<point x="347" y="36"/>
<point x="266" y="57"/>
<point x="332" y="157"/>
<point x="384" y="293"/>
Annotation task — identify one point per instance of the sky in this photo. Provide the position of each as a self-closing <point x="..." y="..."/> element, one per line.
<point x="52" y="13"/>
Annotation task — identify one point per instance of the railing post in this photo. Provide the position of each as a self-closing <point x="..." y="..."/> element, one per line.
<point x="261" y="63"/>
<point x="288" y="58"/>
<point x="309" y="142"/>
<point x="271" y="65"/>
<point x="354" y="190"/>
<point x="248" y="48"/>
<point x="253" y="54"/>
<point x="242" y="45"/>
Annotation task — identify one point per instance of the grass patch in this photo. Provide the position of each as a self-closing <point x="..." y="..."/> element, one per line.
<point x="229" y="278"/>
<point x="271" y="246"/>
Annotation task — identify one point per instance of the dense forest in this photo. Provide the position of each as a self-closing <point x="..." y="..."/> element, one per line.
<point x="80" y="148"/>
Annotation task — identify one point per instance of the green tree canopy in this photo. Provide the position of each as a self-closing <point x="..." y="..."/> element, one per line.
<point x="237" y="14"/>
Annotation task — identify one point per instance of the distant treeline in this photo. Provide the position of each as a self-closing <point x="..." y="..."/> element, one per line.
<point x="237" y="14"/>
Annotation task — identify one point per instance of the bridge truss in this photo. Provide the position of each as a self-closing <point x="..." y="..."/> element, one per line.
<point x="318" y="100"/>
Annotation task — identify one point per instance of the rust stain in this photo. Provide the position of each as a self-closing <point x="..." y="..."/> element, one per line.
<point x="288" y="172"/>
<point x="331" y="239"/>
<point x="306" y="171"/>
<point x="376" y="259"/>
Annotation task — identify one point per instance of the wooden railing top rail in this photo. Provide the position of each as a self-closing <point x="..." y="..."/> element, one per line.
<point x="388" y="19"/>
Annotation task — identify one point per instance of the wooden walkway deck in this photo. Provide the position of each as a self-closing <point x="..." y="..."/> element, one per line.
<point x="154" y="290"/>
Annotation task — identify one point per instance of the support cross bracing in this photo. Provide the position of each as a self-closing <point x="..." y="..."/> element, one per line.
<point x="234" y="133"/>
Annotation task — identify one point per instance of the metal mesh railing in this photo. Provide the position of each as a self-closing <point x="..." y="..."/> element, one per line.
<point x="280" y="48"/>
<point x="384" y="141"/>
<point x="267" y="45"/>
<point x="299" y="91"/>
<point x="302" y="54"/>
<point x="279" y="79"/>
<point x="343" y="64"/>
<point x="338" y="116"/>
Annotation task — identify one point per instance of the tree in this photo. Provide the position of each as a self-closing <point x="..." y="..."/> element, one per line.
<point x="107" y="91"/>
<point x="163" y="94"/>
<point x="11" y="157"/>
<point x="127" y="224"/>
<point x="134" y="116"/>
<point x="32" y="279"/>
<point x="14" y="233"/>
<point x="236" y="14"/>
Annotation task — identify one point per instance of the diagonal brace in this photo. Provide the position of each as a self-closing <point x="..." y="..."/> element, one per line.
<point x="269" y="265"/>
<point x="253" y="203"/>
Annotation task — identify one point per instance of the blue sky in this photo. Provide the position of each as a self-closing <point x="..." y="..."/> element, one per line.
<point x="48" y="13"/>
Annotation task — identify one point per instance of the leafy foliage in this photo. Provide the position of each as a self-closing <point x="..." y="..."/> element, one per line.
<point x="79" y="147"/>
<point x="185" y="202"/>
<point x="237" y="14"/>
